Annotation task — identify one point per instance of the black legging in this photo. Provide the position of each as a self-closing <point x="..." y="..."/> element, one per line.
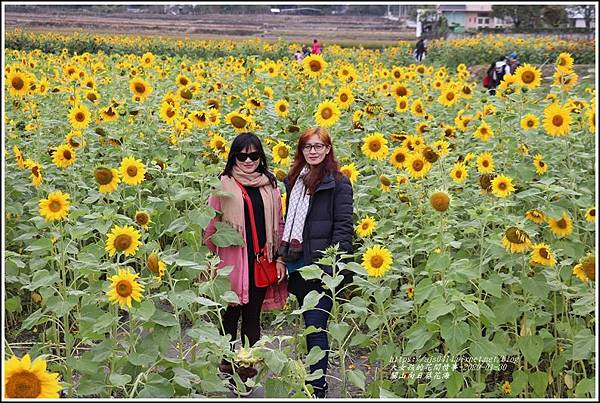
<point x="250" y="313"/>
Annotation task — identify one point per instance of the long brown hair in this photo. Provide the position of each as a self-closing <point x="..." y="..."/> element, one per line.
<point x="328" y="166"/>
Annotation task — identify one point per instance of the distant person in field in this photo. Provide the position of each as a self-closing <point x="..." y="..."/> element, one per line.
<point x="316" y="47"/>
<point x="513" y="62"/>
<point x="496" y="73"/>
<point x="420" y="50"/>
<point x="305" y="51"/>
<point x="299" y="56"/>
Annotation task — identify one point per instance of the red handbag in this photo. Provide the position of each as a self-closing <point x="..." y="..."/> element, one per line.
<point x="265" y="272"/>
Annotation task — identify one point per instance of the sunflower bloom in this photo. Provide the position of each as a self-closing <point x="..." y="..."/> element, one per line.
<point x="140" y="88"/>
<point x="124" y="239"/>
<point x="18" y="83"/>
<point x="142" y="218"/>
<point x="282" y="108"/>
<point x="64" y="156"/>
<point x="562" y="227"/>
<point x="314" y="65"/>
<point x="124" y="287"/>
<point x="351" y="172"/>
<point x="24" y="379"/>
<point x="19" y="157"/>
<point x="417" y="165"/>
<point x="459" y="172"/>
<point x="440" y="201"/>
<point x="485" y="163"/>
<point x="539" y="164"/>
<point x="542" y="255"/>
<point x="398" y="157"/>
<point x="557" y="120"/>
<point x="366" y="226"/>
<point x="281" y="153"/>
<point x="590" y="214"/>
<point x="156" y="265"/>
<point x="516" y="240"/>
<point x="377" y="261"/>
<point x="502" y="186"/>
<point x="79" y="117"/>
<point x="132" y="171"/>
<point x="586" y="268"/>
<point x="528" y="76"/>
<point x="375" y="146"/>
<point x="328" y="113"/>
<point x="345" y="98"/>
<point x="55" y="207"/>
<point x="484" y="132"/>
<point x="535" y="216"/>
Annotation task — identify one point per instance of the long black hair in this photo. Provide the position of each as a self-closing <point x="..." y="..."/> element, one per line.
<point x="240" y="143"/>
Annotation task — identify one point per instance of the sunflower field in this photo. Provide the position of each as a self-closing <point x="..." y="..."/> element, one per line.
<point x="474" y="255"/>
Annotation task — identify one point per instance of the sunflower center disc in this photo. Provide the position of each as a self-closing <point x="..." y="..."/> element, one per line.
<point x="122" y="242"/>
<point x="55" y="206"/>
<point x="23" y="384"/>
<point x="376" y="261"/>
<point x="123" y="288"/>
<point x="17" y="83"/>
<point x="132" y="170"/>
<point x="557" y="121"/>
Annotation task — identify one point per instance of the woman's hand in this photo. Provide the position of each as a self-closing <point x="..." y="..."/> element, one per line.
<point x="281" y="270"/>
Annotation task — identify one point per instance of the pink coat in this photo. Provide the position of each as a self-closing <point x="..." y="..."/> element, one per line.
<point x="236" y="256"/>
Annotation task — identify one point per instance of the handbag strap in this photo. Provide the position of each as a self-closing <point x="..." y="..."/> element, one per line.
<point x="246" y="198"/>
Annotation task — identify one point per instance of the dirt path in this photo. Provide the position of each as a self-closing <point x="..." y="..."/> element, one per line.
<point x="269" y="27"/>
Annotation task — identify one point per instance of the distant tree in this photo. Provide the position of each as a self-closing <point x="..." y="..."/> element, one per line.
<point x="554" y="16"/>
<point x="522" y="16"/>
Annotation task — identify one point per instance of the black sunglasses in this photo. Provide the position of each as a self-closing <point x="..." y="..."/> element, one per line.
<point x="254" y="156"/>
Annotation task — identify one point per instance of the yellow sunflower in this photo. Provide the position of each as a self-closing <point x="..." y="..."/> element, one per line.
<point x="484" y="132"/>
<point x="79" y="117"/>
<point x="107" y="178"/>
<point x="109" y="114"/>
<point x="485" y="163"/>
<point x="124" y="239"/>
<point x="539" y="164"/>
<point x="200" y="119"/>
<point x="586" y="268"/>
<point x="142" y="218"/>
<point x="441" y="147"/>
<point x="140" y="88"/>
<point x="124" y="288"/>
<point x="147" y="59"/>
<point x="400" y="90"/>
<point x="530" y="121"/>
<point x="366" y="226"/>
<point x="18" y="82"/>
<point x="398" y="157"/>
<point x="528" y="76"/>
<point x="385" y="183"/>
<point x="156" y="265"/>
<point x="375" y="146"/>
<point x="502" y="186"/>
<point x="19" y="157"/>
<point x="417" y="108"/>
<point x="557" y="120"/>
<point x="74" y="139"/>
<point x="26" y="380"/>
<point x="516" y="240"/>
<point x="590" y="214"/>
<point x="64" y="156"/>
<point x="314" y="65"/>
<point x="328" y="113"/>
<point x="417" y="165"/>
<point x="565" y="79"/>
<point x="344" y="97"/>
<point x="562" y="227"/>
<point x="440" y="201"/>
<point x="36" y="172"/>
<point x="240" y="122"/>
<point x="542" y="255"/>
<point x="169" y="112"/>
<point x="351" y="172"/>
<point x="535" y="216"/>
<point x="449" y="96"/>
<point x="55" y="207"/>
<point x="377" y="260"/>
<point x="281" y="153"/>
<point x="401" y="104"/>
<point x="459" y="172"/>
<point x="132" y="171"/>
<point x="564" y="61"/>
<point x="282" y="108"/>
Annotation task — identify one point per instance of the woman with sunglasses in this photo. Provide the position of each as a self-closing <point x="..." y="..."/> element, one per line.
<point x="318" y="215"/>
<point x="247" y="166"/>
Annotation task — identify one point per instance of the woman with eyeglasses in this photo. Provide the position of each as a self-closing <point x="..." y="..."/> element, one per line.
<point x="318" y="215"/>
<point x="247" y="166"/>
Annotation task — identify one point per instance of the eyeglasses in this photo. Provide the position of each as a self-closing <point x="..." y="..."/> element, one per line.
<point x="254" y="156"/>
<point x="318" y="147"/>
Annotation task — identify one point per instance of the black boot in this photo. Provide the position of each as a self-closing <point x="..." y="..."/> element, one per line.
<point x="320" y="392"/>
